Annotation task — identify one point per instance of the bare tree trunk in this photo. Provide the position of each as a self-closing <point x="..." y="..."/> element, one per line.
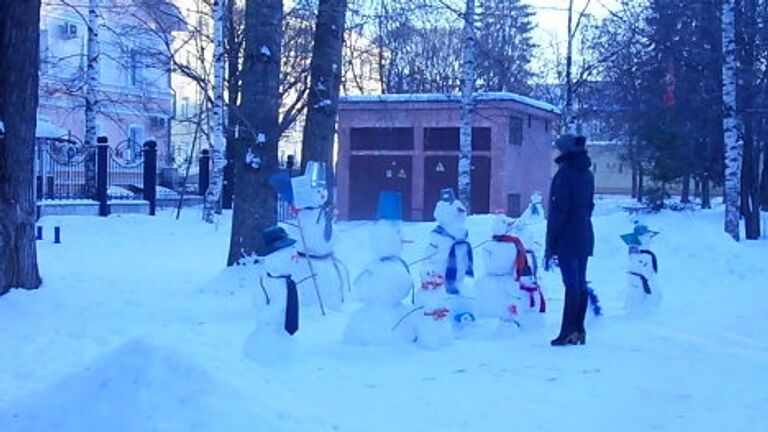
<point x="92" y="96"/>
<point x="750" y="170"/>
<point x="568" y="111"/>
<point x="255" y="204"/>
<point x="19" y="61"/>
<point x="323" y="100"/>
<point x="468" y="78"/>
<point x="213" y="194"/>
<point x="233" y="93"/>
<point x="685" y="196"/>
<point x="731" y="124"/>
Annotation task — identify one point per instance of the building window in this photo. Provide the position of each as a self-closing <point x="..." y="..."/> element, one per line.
<point x="134" y="68"/>
<point x="513" y="205"/>
<point x="515" y="131"/>
<point x="185" y="107"/>
<point x="381" y="138"/>
<point x="135" y="136"/>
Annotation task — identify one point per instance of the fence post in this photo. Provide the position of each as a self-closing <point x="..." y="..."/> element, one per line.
<point x="150" y="174"/>
<point x="102" y="157"/>
<point x="204" y="177"/>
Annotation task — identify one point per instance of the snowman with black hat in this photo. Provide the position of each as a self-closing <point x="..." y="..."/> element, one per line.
<point x="277" y="296"/>
<point x="384" y="282"/>
<point x="643" y="291"/>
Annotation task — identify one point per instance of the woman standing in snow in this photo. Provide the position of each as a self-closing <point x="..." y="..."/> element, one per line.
<point x="570" y="237"/>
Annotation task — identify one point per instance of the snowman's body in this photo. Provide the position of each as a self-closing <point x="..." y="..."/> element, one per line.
<point x="502" y="292"/>
<point x="271" y="302"/>
<point x="382" y="286"/>
<point x="643" y="291"/>
<point x="315" y="245"/>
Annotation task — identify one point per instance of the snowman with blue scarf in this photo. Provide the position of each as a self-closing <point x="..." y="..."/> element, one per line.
<point x="276" y="298"/>
<point x="643" y="291"/>
<point x="383" y="283"/>
<point x="450" y="258"/>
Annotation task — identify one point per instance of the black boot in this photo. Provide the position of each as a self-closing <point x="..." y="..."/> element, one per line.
<point x="570" y="333"/>
<point x="581" y="314"/>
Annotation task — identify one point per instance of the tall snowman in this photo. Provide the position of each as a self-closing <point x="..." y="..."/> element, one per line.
<point x="315" y="219"/>
<point x="643" y="291"/>
<point x="384" y="282"/>
<point x="509" y="290"/>
<point x="449" y="261"/>
<point x="276" y="299"/>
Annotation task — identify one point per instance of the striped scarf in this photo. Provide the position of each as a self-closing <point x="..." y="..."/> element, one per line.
<point x="451" y="272"/>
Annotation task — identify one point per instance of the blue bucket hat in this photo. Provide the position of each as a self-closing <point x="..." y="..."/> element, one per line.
<point x="390" y="206"/>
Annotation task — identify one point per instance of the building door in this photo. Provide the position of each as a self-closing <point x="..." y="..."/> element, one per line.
<point x="371" y="174"/>
<point x="442" y="172"/>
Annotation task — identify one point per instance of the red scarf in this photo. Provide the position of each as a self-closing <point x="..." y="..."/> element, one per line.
<point x="521" y="260"/>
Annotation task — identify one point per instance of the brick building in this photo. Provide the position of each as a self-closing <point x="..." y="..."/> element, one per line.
<point x="410" y="143"/>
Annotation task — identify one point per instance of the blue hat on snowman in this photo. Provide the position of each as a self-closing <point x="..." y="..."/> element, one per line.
<point x="633" y="238"/>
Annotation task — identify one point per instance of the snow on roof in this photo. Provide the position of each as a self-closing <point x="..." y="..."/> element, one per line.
<point x="43" y="129"/>
<point x="453" y="97"/>
<point x="46" y="129"/>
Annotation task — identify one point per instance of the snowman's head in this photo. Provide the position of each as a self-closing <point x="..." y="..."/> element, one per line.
<point x="501" y="224"/>
<point x="280" y="255"/>
<point x="386" y="238"/>
<point x="450" y="213"/>
<point x="308" y="192"/>
<point x="536" y="198"/>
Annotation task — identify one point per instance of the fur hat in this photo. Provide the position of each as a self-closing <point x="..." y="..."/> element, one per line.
<point x="570" y="143"/>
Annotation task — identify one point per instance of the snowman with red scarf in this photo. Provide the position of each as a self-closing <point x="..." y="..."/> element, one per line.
<point x="509" y="289"/>
<point x="315" y="219"/>
<point x="384" y="282"/>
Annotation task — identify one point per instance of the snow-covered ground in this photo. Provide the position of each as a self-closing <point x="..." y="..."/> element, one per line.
<point x="138" y="327"/>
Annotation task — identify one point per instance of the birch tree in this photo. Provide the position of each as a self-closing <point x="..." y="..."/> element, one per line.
<point x="91" y="95"/>
<point x="468" y="78"/>
<point x="325" y="82"/>
<point x="19" y="62"/>
<point x="213" y="194"/>
<point x="731" y="125"/>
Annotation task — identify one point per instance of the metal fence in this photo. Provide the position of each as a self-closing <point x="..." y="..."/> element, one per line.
<point x="125" y="171"/>
<point x="60" y="168"/>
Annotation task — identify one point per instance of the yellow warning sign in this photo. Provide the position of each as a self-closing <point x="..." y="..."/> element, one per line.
<point x="401" y="174"/>
<point x="440" y="167"/>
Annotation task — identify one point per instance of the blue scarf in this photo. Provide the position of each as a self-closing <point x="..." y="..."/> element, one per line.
<point x="452" y="269"/>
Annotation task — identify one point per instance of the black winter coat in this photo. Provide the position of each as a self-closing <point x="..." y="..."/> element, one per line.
<point x="571" y="201"/>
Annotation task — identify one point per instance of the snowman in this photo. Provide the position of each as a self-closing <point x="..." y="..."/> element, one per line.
<point x="315" y="218"/>
<point x="449" y="257"/>
<point x="509" y="290"/>
<point x="384" y="282"/>
<point x="433" y="323"/>
<point x="525" y="227"/>
<point x="643" y="289"/>
<point x="276" y="298"/>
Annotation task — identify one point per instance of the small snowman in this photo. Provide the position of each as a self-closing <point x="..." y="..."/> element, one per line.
<point x="276" y="298"/>
<point x="509" y="290"/>
<point x="315" y="219"/>
<point x="433" y="318"/>
<point x="643" y="289"/>
<point x="534" y="213"/>
<point x="384" y="282"/>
